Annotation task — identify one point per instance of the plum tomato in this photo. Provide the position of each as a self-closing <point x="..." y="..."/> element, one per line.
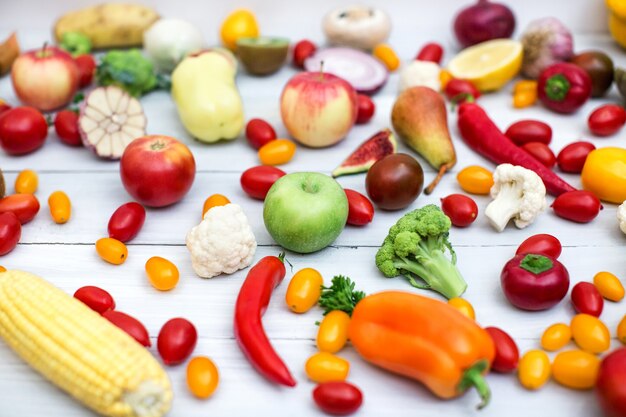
<point x="96" y="298"/>
<point x="22" y="130"/>
<point x="304" y="290"/>
<point x="541" y="152"/>
<point x="529" y="130"/>
<point x="259" y="133"/>
<point x="607" y="120"/>
<point x="10" y="232"/>
<point x="587" y="299"/>
<point x="338" y="398"/>
<point x="86" y="69"/>
<point x="257" y="181"/>
<point x="360" y="208"/>
<point x="66" y="127"/>
<point x="277" y="152"/>
<point x="24" y="206"/>
<point x="112" y="250"/>
<point x="176" y="341"/>
<point x="303" y="49"/>
<point x="573" y="156"/>
<point x="461" y="209"/>
<point x="541" y="244"/>
<point x="162" y="273"/>
<point x="26" y="182"/>
<point x="432" y="52"/>
<point x="133" y="327"/>
<point x="578" y="206"/>
<point x="507" y="353"/>
<point x="366" y="109"/>
<point x="460" y="91"/>
<point x="126" y="221"/>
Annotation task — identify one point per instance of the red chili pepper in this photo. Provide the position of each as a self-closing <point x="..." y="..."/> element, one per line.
<point x="564" y="87"/>
<point x="252" y="302"/>
<point x="430" y="52"/>
<point x="460" y="91"/>
<point x="483" y="136"/>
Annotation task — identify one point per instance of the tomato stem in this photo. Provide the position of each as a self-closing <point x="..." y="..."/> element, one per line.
<point x="536" y="263"/>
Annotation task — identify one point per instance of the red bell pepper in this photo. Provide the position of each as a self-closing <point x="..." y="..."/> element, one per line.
<point x="564" y="87"/>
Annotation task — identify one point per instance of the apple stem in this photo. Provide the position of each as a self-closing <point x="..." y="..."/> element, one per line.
<point x="321" y="70"/>
<point x="442" y="170"/>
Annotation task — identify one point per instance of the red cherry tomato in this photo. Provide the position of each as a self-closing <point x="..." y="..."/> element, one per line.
<point x="607" y="120"/>
<point x="66" y="126"/>
<point x="360" y="208"/>
<point x="257" y="181"/>
<point x="338" y="398"/>
<point x="259" y="133"/>
<point x="133" y="327"/>
<point x="303" y="49"/>
<point x="578" y="206"/>
<point x="96" y="298"/>
<point x="366" y="109"/>
<point x="541" y="152"/>
<point x="459" y="91"/>
<point x="461" y="209"/>
<point x="22" y="130"/>
<point x="541" y="244"/>
<point x="529" y="130"/>
<point x="610" y="388"/>
<point x="432" y="52"/>
<point x="86" y="69"/>
<point x="586" y="299"/>
<point x="177" y="340"/>
<point x="126" y="221"/>
<point x="10" y="232"/>
<point x="572" y="157"/>
<point x="507" y="353"/>
<point x="24" y="206"/>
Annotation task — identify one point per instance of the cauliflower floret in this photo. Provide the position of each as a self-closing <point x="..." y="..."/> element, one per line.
<point x="518" y="193"/>
<point x="621" y="216"/>
<point x="423" y="73"/>
<point x="222" y="243"/>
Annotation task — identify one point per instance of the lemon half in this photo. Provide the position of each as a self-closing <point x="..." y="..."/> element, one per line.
<point x="488" y="65"/>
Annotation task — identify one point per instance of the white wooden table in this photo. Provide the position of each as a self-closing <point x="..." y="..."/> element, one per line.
<point x="65" y="254"/>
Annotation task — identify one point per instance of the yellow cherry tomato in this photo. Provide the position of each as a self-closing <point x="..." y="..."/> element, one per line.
<point x="60" y="207"/>
<point x="304" y="290"/>
<point x="239" y="24"/>
<point x="576" y="369"/>
<point x="26" y="182"/>
<point x="534" y="369"/>
<point x="387" y="56"/>
<point x="2" y="269"/>
<point x="202" y="377"/>
<point x="475" y="179"/>
<point x="621" y="330"/>
<point x="214" y="201"/>
<point x="444" y="78"/>
<point x="112" y="250"/>
<point x="162" y="274"/>
<point x="326" y="367"/>
<point x="590" y="334"/>
<point x="463" y="306"/>
<point x="609" y="286"/>
<point x="524" y="99"/>
<point x="556" y="336"/>
<point x="277" y="152"/>
<point x="333" y="332"/>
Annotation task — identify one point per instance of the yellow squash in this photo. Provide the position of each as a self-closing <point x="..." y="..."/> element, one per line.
<point x="79" y="351"/>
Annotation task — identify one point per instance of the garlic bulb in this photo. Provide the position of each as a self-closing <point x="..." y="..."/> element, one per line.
<point x="546" y="41"/>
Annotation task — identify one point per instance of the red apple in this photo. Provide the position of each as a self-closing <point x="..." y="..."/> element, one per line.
<point x="45" y="78"/>
<point x="318" y="109"/>
<point x="157" y="170"/>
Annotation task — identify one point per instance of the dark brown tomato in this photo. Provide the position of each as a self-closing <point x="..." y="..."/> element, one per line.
<point x="599" y="66"/>
<point x="572" y="157"/>
<point x="395" y="181"/>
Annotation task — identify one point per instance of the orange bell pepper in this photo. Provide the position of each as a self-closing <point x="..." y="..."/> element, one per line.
<point x="423" y="339"/>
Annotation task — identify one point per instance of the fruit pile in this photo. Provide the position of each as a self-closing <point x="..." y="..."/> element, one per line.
<point x="94" y="100"/>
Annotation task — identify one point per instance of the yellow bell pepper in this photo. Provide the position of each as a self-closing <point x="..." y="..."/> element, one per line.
<point x="617" y="20"/>
<point x="204" y="90"/>
<point x="604" y="174"/>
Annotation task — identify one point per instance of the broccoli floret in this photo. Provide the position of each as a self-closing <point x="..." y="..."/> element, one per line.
<point x="416" y="248"/>
<point x="129" y="70"/>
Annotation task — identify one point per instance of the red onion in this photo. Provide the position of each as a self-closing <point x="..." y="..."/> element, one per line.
<point x="482" y="22"/>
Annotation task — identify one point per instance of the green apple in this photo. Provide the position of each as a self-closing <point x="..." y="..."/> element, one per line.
<point x="305" y="211"/>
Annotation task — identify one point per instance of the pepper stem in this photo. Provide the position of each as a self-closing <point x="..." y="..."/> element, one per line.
<point x="473" y="377"/>
<point x="557" y="87"/>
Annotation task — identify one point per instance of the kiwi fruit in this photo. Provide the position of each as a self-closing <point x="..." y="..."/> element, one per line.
<point x="262" y="55"/>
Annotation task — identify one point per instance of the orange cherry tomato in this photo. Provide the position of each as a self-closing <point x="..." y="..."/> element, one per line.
<point x="333" y="331"/>
<point x="556" y="337"/>
<point x="162" y="274"/>
<point x="475" y="179"/>
<point x="387" y="56"/>
<point x="60" y="207"/>
<point x="590" y="334"/>
<point x="463" y="306"/>
<point x="277" y="152"/>
<point x="621" y="330"/>
<point x="304" y="290"/>
<point x="576" y="369"/>
<point x="326" y="367"/>
<point x="26" y="182"/>
<point x="609" y="286"/>
<point x="202" y="377"/>
<point x="112" y="250"/>
<point x="2" y="269"/>
<point x="214" y="201"/>
<point x="533" y="370"/>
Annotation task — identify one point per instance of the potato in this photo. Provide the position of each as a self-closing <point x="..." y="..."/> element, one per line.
<point x="108" y="25"/>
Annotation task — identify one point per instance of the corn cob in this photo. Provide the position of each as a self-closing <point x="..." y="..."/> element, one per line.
<point x="79" y="351"/>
